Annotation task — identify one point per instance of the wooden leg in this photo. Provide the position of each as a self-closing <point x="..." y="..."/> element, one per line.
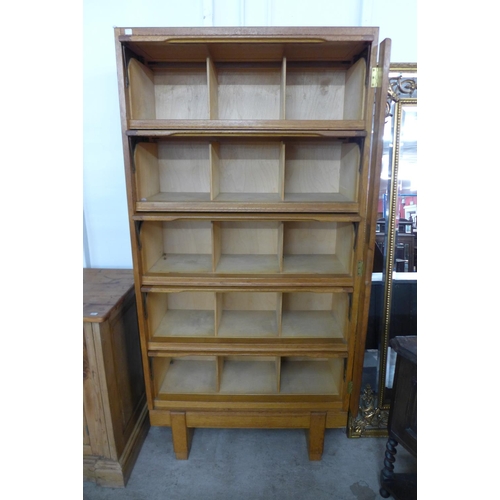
<point x="390" y="458"/>
<point x="316" y="435"/>
<point x="387" y="474"/>
<point x="384" y="493"/>
<point x="181" y="435"/>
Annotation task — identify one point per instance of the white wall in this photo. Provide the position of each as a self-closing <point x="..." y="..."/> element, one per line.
<point x="106" y="232"/>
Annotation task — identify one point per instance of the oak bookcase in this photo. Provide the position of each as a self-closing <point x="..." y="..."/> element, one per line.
<point x="252" y="160"/>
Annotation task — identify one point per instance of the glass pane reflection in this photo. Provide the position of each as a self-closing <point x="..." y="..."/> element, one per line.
<point x="406" y="211"/>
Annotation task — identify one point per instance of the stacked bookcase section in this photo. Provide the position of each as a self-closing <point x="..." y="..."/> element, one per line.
<point x="251" y="159"/>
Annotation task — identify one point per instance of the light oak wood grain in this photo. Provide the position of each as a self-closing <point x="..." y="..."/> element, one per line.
<point x="315" y="94"/>
<point x="141" y="91"/>
<point x="248" y="314"/>
<point x="115" y="415"/>
<point x="245" y="171"/>
<point x="147" y="170"/>
<point x="354" y="97"/>
<point x="248" y="168"/>
<point x="184" y="167"/>
<point x="249" y="93"/>
<point x="189" y="375"/>
<point x="251" y="197"/>
<point x="185" y="314"/>
<point x="181" y="93"/>
<point x="181" y="435"/>
<point x="256" y="314"/>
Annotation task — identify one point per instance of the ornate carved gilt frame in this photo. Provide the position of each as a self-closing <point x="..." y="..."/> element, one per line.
<point x="373" y="408"/>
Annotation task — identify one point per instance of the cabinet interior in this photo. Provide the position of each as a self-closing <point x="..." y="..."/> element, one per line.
<point x="247" y="92"/>
<point x="248" y="375"/>
<point x="246" y="170"/>
<point x="252" y="314"/>
<point x="248" y="314"/>
<point x="220" y="89"/>
<point x="315" y="315"/>
<point x="246" y="247"/>
<point x="242" y="247"/>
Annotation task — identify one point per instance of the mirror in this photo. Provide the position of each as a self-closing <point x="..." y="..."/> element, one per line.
<point x="394" y="281"/>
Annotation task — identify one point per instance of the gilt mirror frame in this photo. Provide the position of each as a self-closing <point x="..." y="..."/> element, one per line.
<point x="374" y="406"/>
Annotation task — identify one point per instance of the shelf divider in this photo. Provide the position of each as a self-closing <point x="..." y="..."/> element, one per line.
<point x="213" y="99"/>
<point x="219" y="369"/>
<point x="280" y="245"/>
<point x="218" y="311"/>
<point x="214" y="156"/>
<point x="278" y="374"/>
<point x="283" y="90"/>
<point x="147" y="169"/>
<point x="141" y="91"/>
<point x="279" y="313"/>
<point x="281" y="186"/>
<point x="216" y="244"/>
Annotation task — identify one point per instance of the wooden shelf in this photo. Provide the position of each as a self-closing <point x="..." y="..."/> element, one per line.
<point x="315" y="315"/>
<point x="244" y="376"/>
<point x="325" y="92"/>
<point x="248" y="375"/>
<point x="224" y="173"/>
<point x="247" y="128"/>
<point x="247" y="247"/>
<point x="248" y="314"/>
<point x="222" y="90"/>
<point x="187" y="376"/>
<point x="303" y="376"/>
<point x="189" y="323"/>
<point x="164" y="45"/>
<point x="252" y="157"/>
<point x="317" y="247"/>
<point x="246" y="92"/>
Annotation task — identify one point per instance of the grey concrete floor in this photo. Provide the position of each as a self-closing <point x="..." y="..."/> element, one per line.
<point x="255" y="464"/>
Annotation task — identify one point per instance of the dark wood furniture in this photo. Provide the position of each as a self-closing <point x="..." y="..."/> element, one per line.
<point x="405" y="252"/>
<point x="403" y="314"/>
<point x="115" y="416"/>
<point x="402" y="421"/>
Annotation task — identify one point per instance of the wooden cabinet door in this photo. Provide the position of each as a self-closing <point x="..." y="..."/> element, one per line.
<point x="374" y="186"/>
